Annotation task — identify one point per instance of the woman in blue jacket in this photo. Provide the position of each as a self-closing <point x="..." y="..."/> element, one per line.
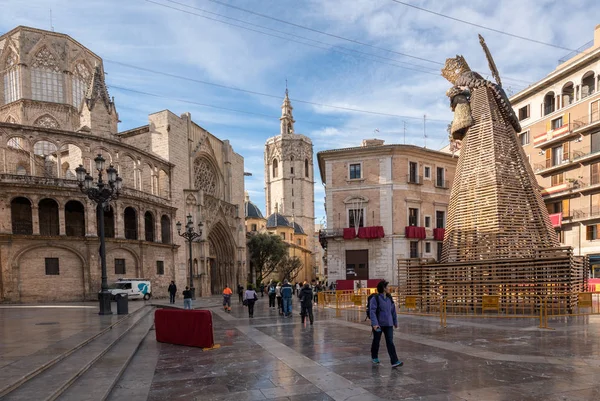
<point x="382" y="313"/>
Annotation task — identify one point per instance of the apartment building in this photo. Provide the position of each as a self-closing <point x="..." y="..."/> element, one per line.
<point x="560" y="117"/>
<point x="383" y="203"/>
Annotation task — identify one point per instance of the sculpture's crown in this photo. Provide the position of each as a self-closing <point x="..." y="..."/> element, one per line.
<point x="454" y="68"/>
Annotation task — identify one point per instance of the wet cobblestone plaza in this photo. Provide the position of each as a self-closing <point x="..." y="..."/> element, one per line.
<point x="270" y="357"/>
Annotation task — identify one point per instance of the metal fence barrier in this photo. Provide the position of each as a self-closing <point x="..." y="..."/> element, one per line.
<point x="487" y="306"/>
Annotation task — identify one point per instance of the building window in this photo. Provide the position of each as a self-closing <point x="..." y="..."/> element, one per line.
<point x="80" y="79"/>
<point x="355" y="218"/>
<point x="557" y="179"/>
<point x="440" y="219"/>
<point x="12" y="88"/>
<point x="559" y="207"/>
<point x="557" y="123"/>
<point x="46" y="78"/>
<point x="428" y="247"/>
<point x="414" y="249"/>
<point x="427" y="172"/>
<point x="524" y="138"/>
<point x="427" y="221"/>
<point x="292" y="205"/>
<point x="591" y="232"/>
<point x="119" y="266"/>
<point x="413" y="169"/>
<point x="253" y="227"/>
<point x="283" y="236"/>
<point x="306" y="168"/>
<point x="594" y="174"/>
<point x="355" y="171"/>
<point x="275" y="167"/>
<point x="160" y="267"/>
<point x="292" y="170"/>
<point x="299" y="242"/>
<point x="413" y="216"/>
<point x="523" y="113"/>
<point x="52" y="268"/>
<point x="440" y="174"/>
<point x="440" y="246"/>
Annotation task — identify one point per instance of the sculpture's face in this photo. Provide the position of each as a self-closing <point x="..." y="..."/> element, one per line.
<point x="454" y="68"/>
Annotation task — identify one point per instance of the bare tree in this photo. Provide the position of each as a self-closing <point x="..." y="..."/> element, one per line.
<point x="289" y="267"/>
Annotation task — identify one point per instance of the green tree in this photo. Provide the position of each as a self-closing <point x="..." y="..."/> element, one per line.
<point x="289" y="267"/>
<point x="266" y="252"/>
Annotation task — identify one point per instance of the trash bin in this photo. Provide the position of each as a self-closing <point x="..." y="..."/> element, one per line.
<point x="122" y="304"/>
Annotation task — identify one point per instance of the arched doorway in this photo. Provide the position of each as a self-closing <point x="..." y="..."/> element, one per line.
<point x="222" y="258"/>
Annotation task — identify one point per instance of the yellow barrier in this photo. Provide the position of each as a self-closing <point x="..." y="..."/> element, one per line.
<point x="487" y="306"/>
<point x="573" y="304"/>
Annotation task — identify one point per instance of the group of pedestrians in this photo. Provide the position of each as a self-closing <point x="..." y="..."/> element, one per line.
<point x="380" y="308"/>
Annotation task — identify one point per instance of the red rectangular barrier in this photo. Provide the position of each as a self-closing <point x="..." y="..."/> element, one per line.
<point x="193" y="328"/>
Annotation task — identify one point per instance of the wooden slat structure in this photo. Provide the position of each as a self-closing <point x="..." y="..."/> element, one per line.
<point x="499" y="240"/>
<point x="496" y="210"/>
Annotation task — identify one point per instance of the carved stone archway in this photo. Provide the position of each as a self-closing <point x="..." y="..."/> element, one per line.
<point x="222" y="258"/>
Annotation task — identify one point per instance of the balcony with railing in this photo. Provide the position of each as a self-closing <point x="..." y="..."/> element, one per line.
<point x="554" y="135"/>
<point x="585" y="214"/>
<point x="585" y="123"/>
<point x="565" y="161"/>
<point x="561" y="189"/>
<point x="414" y="179"/>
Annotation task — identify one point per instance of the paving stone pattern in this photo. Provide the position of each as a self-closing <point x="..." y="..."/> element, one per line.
<point x="270" y="357"/>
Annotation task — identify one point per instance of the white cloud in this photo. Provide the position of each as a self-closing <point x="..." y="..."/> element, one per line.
<point x="151" y="36"/>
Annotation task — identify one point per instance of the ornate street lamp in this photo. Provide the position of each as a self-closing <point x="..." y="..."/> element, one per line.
<point x="101" y="192"/>
<point x="190" y="235"/>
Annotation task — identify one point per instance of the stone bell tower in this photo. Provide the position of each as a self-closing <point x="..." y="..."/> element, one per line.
<point x="289" y="174"/>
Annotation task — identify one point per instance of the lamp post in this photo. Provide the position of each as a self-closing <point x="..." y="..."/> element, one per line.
<point x="190" y="235"/>
<point x="101" y="192"/>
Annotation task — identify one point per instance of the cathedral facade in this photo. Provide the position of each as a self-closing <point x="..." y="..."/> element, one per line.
<point x="56" y="114"/>
<point x="289" y="183"/>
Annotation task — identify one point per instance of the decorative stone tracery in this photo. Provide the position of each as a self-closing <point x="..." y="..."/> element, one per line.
<point x="46" y="121"/>
<point x="205" y="177"/>
<point x="44" y="59"/>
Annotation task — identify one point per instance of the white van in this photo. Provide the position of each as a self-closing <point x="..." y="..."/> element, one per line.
<point x="135" y="288"/>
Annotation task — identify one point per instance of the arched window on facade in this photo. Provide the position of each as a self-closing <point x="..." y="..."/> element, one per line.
<point x="22" y="219"/>
<point x="46" y="78"/>
<point x="48" y="213"/>
<point x="109" y="223"/>
<point x="306" y="173"/>
<point x="12" y="87"/>
<point x="74" y="219"/>
<point x="275" y="167"/>
<point x="80" y="80"/>
<point x="21" y="170"/>
<point x="131" y="231"/>
<point x="165" y="229"/>
<point x="149" y="226"/>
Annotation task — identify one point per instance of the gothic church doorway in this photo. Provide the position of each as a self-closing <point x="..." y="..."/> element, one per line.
<point x="222" y="252"/>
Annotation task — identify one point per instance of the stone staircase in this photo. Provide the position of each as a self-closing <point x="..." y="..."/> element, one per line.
<point x="87" y="371"/>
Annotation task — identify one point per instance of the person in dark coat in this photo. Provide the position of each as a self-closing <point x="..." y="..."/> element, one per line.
<point x="240" y="291"/>
<point x="306" y="301"/>
<point x="172" y="291"/>
<point x="382" y="313"/>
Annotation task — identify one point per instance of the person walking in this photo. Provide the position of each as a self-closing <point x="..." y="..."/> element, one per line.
<point x="306" y="301"/>
<point x="172" y="291"/>
<point x="262" y="290"/>
<point x="279" y="300"/>
<point x="250" y="298"/>
<point x="297" y="289"/>
<point x="286" y="295"/>
<point x="382" y="313"/>
<point x="187" y="298"/>
<point x="227" y="298"/>
<point x="240" y="291"/>
<point x="271" y="290"/>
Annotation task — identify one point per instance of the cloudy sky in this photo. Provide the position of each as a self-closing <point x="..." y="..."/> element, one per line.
<point x="227" y="61"/>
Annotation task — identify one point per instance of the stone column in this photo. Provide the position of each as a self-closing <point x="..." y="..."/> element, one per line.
<point x="141" y="224"/>
<point x="35" y="218"/>
<point x="58" y="164"/>
<point x="91" y="227"/>
<point x="62" y="224"/>
<point x="119" y="220"/>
